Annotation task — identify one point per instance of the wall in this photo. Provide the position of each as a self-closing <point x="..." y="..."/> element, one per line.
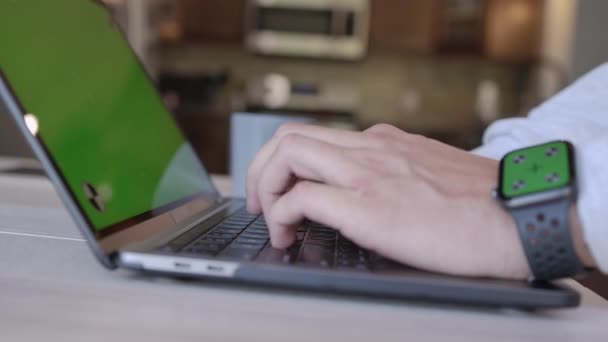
<point x="590" y="41"/>
<point x="446" y="87"/>
<point x="556" y="47"/>
<point x="558" y="24"/>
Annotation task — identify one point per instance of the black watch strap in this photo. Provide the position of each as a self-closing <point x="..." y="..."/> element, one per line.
<point x="545" y="233"/>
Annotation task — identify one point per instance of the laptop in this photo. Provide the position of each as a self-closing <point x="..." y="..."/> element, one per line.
<point x="142" y="198"/>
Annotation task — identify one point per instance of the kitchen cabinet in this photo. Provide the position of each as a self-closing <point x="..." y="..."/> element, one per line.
<point x="211" y="20"/>
<point x="404" y="25"/>
<point x="513" y="29"/>
<point x="508" y="30"/>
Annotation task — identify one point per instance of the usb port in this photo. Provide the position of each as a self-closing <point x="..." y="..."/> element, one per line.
<point x="213" y="268"/>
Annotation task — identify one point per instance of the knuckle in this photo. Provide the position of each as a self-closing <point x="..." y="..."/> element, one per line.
<point x="300" y="189"/>
<point x="288" y="128"/>
<point x="382" y="129"/>
<point x="413" y="140"/>
<point x="289" y="142"/>
<point x="414" y="137"/>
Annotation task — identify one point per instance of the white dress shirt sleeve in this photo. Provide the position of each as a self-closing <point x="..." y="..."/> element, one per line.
<point x="578" y="114"/>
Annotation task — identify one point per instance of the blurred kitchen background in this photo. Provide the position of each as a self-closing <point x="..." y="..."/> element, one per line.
<point x="442" y="68"/>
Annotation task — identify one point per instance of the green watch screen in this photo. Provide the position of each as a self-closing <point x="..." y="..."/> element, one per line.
<point x="536" y="169"/>
<point x="99" y="116"/>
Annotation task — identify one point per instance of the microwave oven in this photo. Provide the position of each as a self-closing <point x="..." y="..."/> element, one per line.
<point x="334" y="29"/>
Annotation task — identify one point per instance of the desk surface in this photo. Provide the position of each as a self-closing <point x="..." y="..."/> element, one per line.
<point x="51" y="288"/>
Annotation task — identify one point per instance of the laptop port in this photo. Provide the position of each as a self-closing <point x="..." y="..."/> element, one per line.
<point x="215" y="268"/>
<point x="181" y="265"/>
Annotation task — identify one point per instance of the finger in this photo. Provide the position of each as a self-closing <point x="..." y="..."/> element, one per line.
<point x="300" y="157"/>
<point x="337" y="137"/>
<point x="322" y="203"/>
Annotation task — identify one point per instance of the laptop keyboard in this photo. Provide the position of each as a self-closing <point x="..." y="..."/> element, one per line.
<point x="243" y="236"/>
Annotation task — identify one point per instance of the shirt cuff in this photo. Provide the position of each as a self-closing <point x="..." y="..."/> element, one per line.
<point x="592" y="199"/>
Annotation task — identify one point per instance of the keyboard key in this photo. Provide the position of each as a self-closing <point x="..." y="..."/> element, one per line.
<point x="245" y="237"/>
<point x="210" y="244"/>
<point x="300" y="236"/>
<point x="321" y="236"/>
<point x="252" y="239"/>
<point x="316" y="255"/>
<point x="294" y="249"/>
<point x="187" y="237"/>
<point x="221" y="235"/>
<point x="254" y="234"/>
<point x="242" y="245"/>
<point x="234" y="224"/>
<point x="217" y="239"/>
<point x="246" y="240"/>
<point x="321" y="243"/>
<point x="240" y="253"/>
<point x="234" y="227"/>
<point x="274" y="255"/>
<point x="383" y="264"/>
<point x="201" y="249"/>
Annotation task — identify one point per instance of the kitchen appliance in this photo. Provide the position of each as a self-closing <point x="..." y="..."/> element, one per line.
<point x="278" y="92"/>
<point x="334" y="29"/>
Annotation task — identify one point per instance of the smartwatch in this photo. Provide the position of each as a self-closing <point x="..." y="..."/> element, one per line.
<point x="537" y="185"/>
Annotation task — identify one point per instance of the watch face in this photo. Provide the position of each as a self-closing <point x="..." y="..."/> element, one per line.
<point x="536" y="169"/>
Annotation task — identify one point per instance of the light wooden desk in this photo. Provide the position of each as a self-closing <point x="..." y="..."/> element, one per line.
<point x="51" y="289"/>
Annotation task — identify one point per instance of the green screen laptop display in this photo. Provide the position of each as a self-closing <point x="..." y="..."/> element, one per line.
<point x="99" y="117"/>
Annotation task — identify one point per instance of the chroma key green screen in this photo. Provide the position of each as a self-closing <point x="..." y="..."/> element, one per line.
<point x="99" y="116"/>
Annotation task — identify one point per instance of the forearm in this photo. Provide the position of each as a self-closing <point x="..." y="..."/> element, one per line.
<point x="593" y="199"/>
<point x="578" y="114"/>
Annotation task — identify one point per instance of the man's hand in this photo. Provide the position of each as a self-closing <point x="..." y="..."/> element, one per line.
<point x="406" y="197"/>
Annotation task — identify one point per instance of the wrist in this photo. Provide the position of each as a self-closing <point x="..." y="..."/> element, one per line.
<point x="537" y="185"/>
<point x="505" y="248"/>
<point x="515" y="264"/>
<point x="511" y="258"/>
